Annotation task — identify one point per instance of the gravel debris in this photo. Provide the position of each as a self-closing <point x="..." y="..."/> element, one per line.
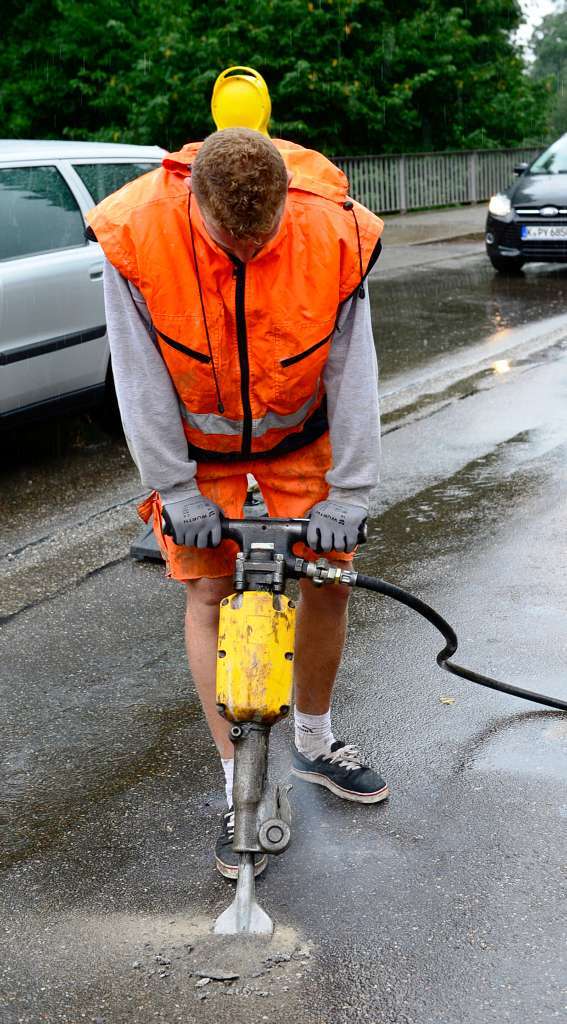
<point x="302" y="954"/>
<point x="277" y="958"/>
<point x="214" y="975"/>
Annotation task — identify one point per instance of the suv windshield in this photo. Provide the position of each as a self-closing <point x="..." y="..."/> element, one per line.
<point x="101" y="179"/>
<point x="553" y="161"/>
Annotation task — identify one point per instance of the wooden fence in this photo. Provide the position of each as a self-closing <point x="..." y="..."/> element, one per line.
<point x="424" y="180"/>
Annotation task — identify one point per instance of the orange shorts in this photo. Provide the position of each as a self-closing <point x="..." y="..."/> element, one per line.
<point x="290" y="485"/>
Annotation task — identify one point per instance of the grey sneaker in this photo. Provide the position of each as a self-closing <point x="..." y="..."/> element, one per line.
<point x="226" y="858"/>
<point x="342" y="771"/>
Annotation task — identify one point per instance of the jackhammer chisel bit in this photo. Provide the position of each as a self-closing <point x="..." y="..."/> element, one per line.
<point x="250" y="767"/>
<point x="244" y="914"/>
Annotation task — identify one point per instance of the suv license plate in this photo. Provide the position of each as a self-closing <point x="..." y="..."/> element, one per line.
<point x="547" y="232"/>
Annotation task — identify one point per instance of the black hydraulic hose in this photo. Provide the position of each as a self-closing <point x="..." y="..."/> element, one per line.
<point x="282" y="534"/>
<point x="378" y="586"/>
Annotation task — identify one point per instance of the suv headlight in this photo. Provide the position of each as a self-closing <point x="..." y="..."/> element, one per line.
<point x="500" y="205"/>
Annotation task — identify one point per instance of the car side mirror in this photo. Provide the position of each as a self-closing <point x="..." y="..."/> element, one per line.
<point x="520" y="168"/>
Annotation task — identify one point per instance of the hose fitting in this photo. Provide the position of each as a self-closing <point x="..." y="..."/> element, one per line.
<point x="321" y="572"/>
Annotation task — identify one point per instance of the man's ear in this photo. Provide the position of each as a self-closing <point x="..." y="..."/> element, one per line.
<point x="289" y="178"/>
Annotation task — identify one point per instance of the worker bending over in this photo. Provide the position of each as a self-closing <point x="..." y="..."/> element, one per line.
<point x="241" y="342"/>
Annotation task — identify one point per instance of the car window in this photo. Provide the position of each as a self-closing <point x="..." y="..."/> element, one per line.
<point x="38" y="212"/>
<point x="102" y="179"/>
<point x="553" y="161"/>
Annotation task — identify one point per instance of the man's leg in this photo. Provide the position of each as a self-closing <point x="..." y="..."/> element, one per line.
<point x="322" y="617"/>
<point x="320" y="637"/>
<point x="201" y="631"/>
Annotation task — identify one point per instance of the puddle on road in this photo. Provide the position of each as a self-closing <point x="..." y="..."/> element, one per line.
<point x="533" y="744"/>
<point x="478" y="498"/>
<point x="433" y="400"/>
<point x="420" y="317"/>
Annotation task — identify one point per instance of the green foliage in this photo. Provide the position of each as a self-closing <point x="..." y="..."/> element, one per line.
<point x="345" y="76"/>
<point x="549" y="44"/>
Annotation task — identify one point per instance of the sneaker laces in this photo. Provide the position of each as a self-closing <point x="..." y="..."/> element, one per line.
<point x="229" y="822"/>
<point x="347" y="757"/>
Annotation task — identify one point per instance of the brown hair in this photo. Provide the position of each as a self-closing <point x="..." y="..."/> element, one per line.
<point x="240" y="179"/>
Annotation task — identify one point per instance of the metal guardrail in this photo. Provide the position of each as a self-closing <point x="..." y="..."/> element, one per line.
<point x="423" y="180"/>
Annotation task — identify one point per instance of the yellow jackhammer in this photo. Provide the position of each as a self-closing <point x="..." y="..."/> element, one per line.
<point x="254" y="689"/>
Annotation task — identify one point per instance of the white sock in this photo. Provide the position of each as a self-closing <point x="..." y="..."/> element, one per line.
<point x="228" y="768"/>
<point x="313" y="734"/>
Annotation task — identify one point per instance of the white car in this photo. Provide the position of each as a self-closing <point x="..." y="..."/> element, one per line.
<point x="53" y="345"/>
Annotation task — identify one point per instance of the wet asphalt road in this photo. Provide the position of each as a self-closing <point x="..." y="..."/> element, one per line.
<point x="421" y="318"/>
<point x="445" y="905"/>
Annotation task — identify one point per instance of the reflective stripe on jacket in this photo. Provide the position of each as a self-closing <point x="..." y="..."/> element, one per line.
<point x="254" y="385"/>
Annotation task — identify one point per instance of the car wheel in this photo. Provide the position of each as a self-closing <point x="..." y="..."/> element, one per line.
<point x="506" y="264"/>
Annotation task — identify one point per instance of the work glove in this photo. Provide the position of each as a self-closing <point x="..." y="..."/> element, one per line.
<point x="335" y="526"/>
<point x="193" y="520"/>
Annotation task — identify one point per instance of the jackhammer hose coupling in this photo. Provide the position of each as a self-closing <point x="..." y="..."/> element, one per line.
<point x="321" y="572"/>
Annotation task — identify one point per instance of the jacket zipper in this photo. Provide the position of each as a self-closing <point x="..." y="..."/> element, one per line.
<point x="240" y="269"/>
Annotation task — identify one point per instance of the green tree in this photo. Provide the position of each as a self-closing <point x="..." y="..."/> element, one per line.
<point x="346" y="76"/>
<point x="549" y="45"/>
<point x="64" y="66"/>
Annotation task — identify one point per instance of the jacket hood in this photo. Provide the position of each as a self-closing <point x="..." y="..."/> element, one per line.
<point x="311" y="171"/>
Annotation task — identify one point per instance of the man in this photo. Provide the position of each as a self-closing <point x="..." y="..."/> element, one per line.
<point x="241" y="341"/>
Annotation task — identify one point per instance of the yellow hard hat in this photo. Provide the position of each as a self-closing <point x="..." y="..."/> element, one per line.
<point x="241" y="100"/>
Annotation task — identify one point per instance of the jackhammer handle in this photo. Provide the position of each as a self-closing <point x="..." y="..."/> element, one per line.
<point x="284" y="533"/>
<point x="288" y="531"/>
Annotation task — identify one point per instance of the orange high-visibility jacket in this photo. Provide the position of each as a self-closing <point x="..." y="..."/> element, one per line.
<point x="253" y="386"/>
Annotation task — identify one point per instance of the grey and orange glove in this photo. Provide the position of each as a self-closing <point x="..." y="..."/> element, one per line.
<point x="192" y="520"/>
<point x="335" y="526"/>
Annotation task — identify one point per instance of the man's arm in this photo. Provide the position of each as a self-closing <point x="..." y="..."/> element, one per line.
<point x="351" y="382"/>
<point x="147" y="399"/>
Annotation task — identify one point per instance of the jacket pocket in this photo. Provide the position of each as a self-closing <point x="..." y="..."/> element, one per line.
<point x="179" y="347"/>
<point x="291" y="360"/>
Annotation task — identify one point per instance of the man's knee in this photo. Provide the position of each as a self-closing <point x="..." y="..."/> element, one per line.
<point x="206" y="594"/>
<point x="329" y="597"/>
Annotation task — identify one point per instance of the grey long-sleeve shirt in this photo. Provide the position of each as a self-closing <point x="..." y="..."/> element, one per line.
<point x="149" y="405"/>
